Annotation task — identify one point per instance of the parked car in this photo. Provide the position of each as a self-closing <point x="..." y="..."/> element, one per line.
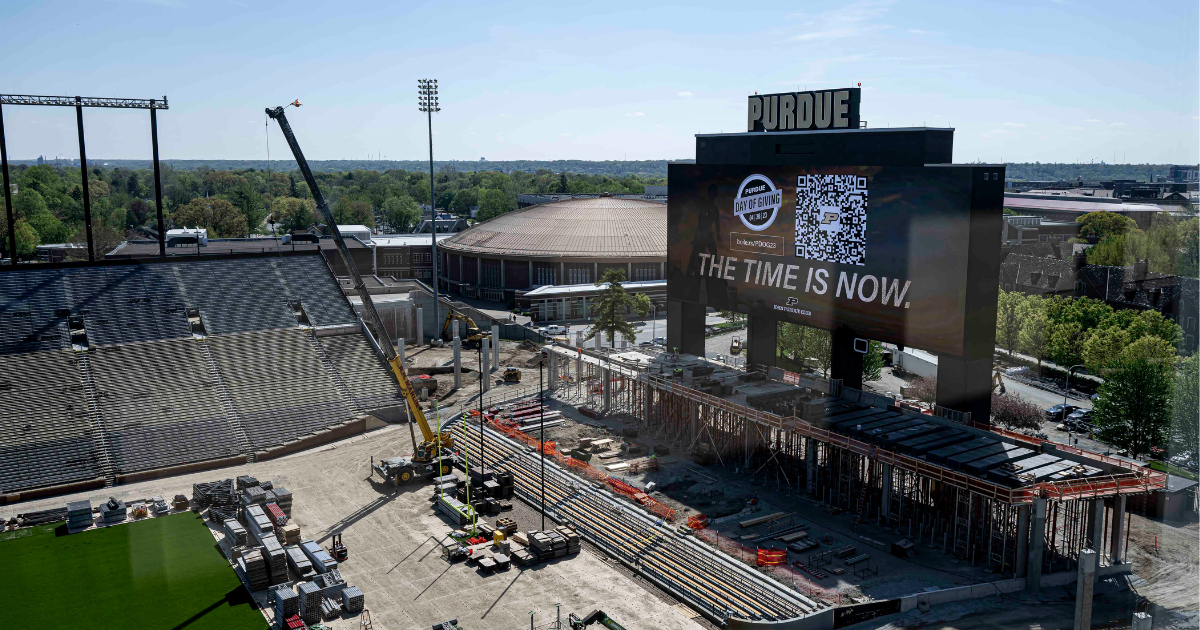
<point x="646" y="344"/>
<point x="660" y="341"/>
<point x="555" y="329"/>
<point x="1060" y="412"/>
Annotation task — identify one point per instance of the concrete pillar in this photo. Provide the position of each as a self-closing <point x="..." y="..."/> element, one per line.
<point x="606" y="379"/>
<point x="810" y="461"/>
<point x="457" y="360"/>
<point x="400" y="349"/>
<point x="486" y="356"/>
<point x="578" y="338"/>
<point x="887" y="493"/>
<point x="495" y="346"/>
<point x="624" y="342"/>
<point x="1097" y="525"/>
<point x="420" y="326"/>
<point x="1022" y="539"/>
<point x="746" y="446"/>
<point x="598" y="339"/>
<point x="1037" y="539"/>
<point x="1142" y="621"/>
<point x="552" y="371"/>
<point x="1118" y="529"/>
<point x="1085" y="585"/>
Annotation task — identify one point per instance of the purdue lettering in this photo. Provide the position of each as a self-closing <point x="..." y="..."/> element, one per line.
<point x="802" y="111"/>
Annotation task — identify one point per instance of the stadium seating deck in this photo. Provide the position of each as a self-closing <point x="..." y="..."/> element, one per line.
<point x="160" y="406"/>
<point x="156" y="394"/>
<point x="45" y="434"/>
<point x="368" y="378"/>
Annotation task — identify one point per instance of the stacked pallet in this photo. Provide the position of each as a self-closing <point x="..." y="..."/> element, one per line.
<point x="352" y="599"/>
<point x="246" y="481"/>
<point x="292" y="623"/>
<point x="287" y="603"/>
<point x="253" y="495"/>
<point x="180" y="502"/>
<point x="222" y="513"/>
<point x="310" y="602"/>
<point x="548" y="544"/>
<point x="214" y="493"/>
<point x="79" y="515"/>
<point x="571" y="536"/>
<point x="321" y="560"/>
<point x="235" y="534"/>
<point x="112" y="511"/>
<point x="456" y="510"/>
<point x="276" y="559"/>
<point x="331" y="583"/>
<point x="254" y="566"/>
<point x="257" y="523"/>
<point x="278" y="518"/>
<point x="299" y="562"/>
<point x="291" y="534"/>
<point x="283" y="498"/>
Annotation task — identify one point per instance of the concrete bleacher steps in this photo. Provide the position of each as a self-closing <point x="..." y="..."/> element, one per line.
<point x="160" y="405"/>
<point x="338" y="381"/>
<point x="367" y="377"/>
<point x="277" y="384"/>
<point x="96" y="419"/>
<point x="46" y="438"/>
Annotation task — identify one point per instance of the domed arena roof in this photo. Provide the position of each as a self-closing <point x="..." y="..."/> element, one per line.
<point x="600" y="227"/>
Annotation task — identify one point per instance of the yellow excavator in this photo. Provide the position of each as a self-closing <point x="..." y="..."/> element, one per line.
<point x="474" y="336"/>
<point x="433" y="453"/>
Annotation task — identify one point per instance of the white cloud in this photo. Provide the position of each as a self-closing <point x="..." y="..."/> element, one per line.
<point x="1015" y="125"/>
<point x="635" y="114"/>
<point x="1093" y="120"/>
<point x="1116" y="124"/>
<point x="564" y="135"/>
<point x="1075" y="128"/>
<point x="995" y="132"/>
<point x="849" y="21"/>
<point x="685" y="94"/>
<point x="917" y="31"/>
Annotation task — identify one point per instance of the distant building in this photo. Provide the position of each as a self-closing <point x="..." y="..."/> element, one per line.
<point x="1187" y="174"/>
<point x="41" y="160"/>
<point x="533" y="199"/>
<point x="1022" y="230"/>
<point x="1066" y="209"/>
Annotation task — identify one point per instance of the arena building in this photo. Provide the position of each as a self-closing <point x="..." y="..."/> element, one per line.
<point x="552" y="245"/>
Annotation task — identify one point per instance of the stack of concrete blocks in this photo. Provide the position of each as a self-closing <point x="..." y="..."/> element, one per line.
<point x="253" y="495"/>
<point x="112" y="511"/>
<point x="352" y="599"/>
<point x="310" y="602"/>
<point x="287" y="603"/>
<point x="257" y="523"/>
<point x="283" y="498"/>
<point x="276" y="559"/>
<point x="79" y="515"/>
<point x="235" y="534"/>
<point x="299" y="562"/>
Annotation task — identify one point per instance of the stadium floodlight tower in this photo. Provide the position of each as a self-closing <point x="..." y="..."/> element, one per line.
<point x="427" y="101"/>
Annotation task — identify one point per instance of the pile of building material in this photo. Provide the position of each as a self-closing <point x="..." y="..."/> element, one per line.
<point x="552" y="544"/>
<point x="456" y="510"/>
<point x="283" y="498"/>
<point x="222" y="513"/>
<point x="276" y="559"/>
<point x="254" y="566"/>
<point x="257" y="523"/>
<point x="331" y="583"/>
<point x="292" y="623"/>
<point x="41" y="517"/>
<point x="291" y="534"/>
<point x="310" y="602"/>
<point x="112" y="511"/>
<point x="253" y="495"/>
<point x="246" y="481"/>
<point x="278" y="518"/>
<point x="287" y="603"/>
<point x="214" y="493"/>
<point x="180" y="502"/>
<point x="320" y="559"/>
<point x="299" y="562"/>
<point x="79" y="515"/>
<point x="352" y="599"/>
<point x="235" y="534"/>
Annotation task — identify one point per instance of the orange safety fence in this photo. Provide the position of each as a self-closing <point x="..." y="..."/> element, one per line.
<point x="698" y="521"/>
<point x="551" y="448"/>
<point x="771" y="557"/>
<point x="782" y="571"/>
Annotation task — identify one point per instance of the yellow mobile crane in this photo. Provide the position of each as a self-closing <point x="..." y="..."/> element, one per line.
<point x="432" y="454"/>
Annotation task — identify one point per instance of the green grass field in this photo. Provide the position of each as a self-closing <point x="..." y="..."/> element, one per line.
<point x="158" y="573"/>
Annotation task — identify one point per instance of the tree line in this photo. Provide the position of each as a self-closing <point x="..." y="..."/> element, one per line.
<point x="1170" y="246"/>
<point x="48" y="206"/>
<point x="1148" y="398"/>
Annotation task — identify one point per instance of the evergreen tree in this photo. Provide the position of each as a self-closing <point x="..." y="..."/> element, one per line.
<point x="612" y="304"/>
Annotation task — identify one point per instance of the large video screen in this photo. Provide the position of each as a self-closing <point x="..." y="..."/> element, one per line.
<point x="881" y="251"/>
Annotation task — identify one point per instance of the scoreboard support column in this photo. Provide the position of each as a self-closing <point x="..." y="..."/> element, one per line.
<point x="845" y="363"/>
<point x="761" y="340"/>
<point x="685" y="327"/>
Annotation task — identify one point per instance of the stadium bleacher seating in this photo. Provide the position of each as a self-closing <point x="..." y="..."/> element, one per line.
<point x="45" y="435"/>
<point x="161" y="400"/>
<point x="366" y="375"/>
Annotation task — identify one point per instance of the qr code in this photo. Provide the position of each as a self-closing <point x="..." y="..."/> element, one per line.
<point x="831" y="218"/>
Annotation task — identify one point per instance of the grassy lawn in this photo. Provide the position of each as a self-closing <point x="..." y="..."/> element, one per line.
<point x="158" y="573"/>
<point x="1168" y="467"/>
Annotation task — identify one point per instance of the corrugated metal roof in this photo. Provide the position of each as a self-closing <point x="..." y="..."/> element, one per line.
<point x="604" y="227"/>
<point x="1074" y="204"/>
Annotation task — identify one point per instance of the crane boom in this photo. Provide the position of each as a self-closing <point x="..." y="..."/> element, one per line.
<point x="372" y="317"/>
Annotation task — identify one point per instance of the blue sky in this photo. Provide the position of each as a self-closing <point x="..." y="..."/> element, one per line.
<point x="1049" y="81"/>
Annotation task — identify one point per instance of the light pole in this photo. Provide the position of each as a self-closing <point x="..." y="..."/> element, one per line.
<point x="482" y="469"/>
<point x="542" y="437"/>
<point x="428" y="102"/>
<point x="1068" y="389"/>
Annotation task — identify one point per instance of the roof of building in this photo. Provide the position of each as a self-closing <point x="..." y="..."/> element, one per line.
<point x="604" y="227"/>
<point x="1117" y="284"/>
<point x="1073" y="204"/>
<point x="147" y="248"/>
<point x="564" y="289"/>
<point x="405" y="240"/>
<point x="1047" y="274"/>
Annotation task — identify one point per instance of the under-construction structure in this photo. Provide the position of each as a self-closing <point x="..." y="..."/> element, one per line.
<point x="1016" y="505"/>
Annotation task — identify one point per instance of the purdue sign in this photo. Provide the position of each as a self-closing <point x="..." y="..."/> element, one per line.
<point x="801" y="111"/>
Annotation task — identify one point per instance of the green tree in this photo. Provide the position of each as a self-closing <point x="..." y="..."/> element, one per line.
<point x="28" y="203"/>
<point x="1188" y="262"/>
<point x="611" y="305"/>
<point x="872" y="362"/>
<point x="219" y="216"/>
<point x="133" y="186"/>
<point x="1154" y="324"/>
<point x="249" y="202"/>
<point x="1185" y="408"/>
<point x="1103" y="347"/>
<point x="1133" y="409"/>
<point x="1104" y="224"/>
<point x="27" y="238"/>
<point x="49" y="228"/>
<point x="1066" y="343"/>
<point x="492" y="203"/>
<point x="562" y="182"/>
<point x="463" y="201"/>
<point x="1151" y="349"/>
<point x="1035" y="334"/>
<point x="1009" y="308"/>
<point x="349" y="211"/>
<point x="402" y="213"/>
<point x="292" y="214"/>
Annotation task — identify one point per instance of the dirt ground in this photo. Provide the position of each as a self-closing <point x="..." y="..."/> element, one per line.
<point x="512" y="354"/>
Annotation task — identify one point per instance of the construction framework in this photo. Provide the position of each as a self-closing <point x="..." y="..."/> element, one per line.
<point x="79" y="102"/>
<point x="1013" y="529"/>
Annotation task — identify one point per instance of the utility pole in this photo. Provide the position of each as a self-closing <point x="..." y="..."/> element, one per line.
<point x="428" y="101"/>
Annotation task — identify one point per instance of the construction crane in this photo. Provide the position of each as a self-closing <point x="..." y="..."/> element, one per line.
<point x="474" y="336"/>
<point x="429" y="452"/>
